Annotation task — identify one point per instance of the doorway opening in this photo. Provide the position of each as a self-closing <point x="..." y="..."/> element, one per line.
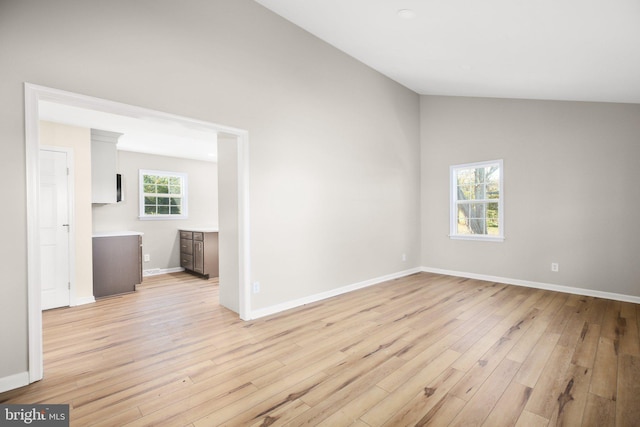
<point x="234" y="228"/>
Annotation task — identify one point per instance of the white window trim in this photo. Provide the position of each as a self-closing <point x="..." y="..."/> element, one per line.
<point x="453" y="207"/>
<point x="185" y="186"/>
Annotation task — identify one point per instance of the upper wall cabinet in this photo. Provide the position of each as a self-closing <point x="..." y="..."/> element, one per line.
<point x="103" y="166"/>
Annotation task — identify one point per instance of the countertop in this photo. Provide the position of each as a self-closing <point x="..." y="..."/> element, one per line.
<point x="117" y="233"/>
<point x="200" y="229"/>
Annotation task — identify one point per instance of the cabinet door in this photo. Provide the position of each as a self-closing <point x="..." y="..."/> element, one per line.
<point x="198" y="256"/>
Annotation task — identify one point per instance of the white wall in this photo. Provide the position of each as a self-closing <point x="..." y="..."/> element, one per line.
<point x="571" y="192"/>
<point x="228" y="249"/>
<point x="334" y="145"/>
<point x="160" y="239"/>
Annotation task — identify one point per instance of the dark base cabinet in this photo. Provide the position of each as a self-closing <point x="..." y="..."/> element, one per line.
<point x="117" y="264"/>
<point x="199" y="252"/>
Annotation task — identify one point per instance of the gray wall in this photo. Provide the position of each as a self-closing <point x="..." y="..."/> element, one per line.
<point x="334" y="145"/>
<point x="570" y="189"/>
<point x="160" y="240"/>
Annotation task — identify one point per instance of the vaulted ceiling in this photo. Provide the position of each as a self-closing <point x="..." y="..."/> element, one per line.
<point x="584" y="50"/>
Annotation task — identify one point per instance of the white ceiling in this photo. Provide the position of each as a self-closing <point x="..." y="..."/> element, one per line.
<point x="141" y="135"/>
<point x="584" y="50"/>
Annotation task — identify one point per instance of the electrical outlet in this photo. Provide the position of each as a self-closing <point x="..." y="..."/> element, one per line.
<point x="147" y="257"/>
<point x="555" y="267"/>
<point x="404" y="257"/>
<point x="256" y="287"/>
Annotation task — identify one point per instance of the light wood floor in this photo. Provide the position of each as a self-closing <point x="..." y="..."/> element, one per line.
<point x="423" y="350"/>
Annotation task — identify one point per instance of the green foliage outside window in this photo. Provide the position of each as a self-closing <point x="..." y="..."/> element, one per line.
<point x="163" y="194"/>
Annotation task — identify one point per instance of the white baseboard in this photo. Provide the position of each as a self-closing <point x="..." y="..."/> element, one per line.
<point x="267" y="311"/>
<point x="158" y="271"/>
<point x="537" y="285"/>
<point x="14" y="381"/>
<point x="85" y="300"/>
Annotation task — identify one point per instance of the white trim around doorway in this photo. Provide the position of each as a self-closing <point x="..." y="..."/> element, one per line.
<point x="34" y="94"/>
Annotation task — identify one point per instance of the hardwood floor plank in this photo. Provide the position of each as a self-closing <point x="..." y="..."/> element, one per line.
<point x="351" y="412"/>
<point x="587" y="345"/>
<point x="509" y="407"/>
<point x="397" y="398"/>
<point x="490" y="360"/>
<point x="537" y="359"/>
<point x="482" y="402"/>
<point x="529" y="419"/>
<point x="570" y="403"/>
<point x="628" y="402"/>
<point x="443" y="412"/>
<point x="551" y="383"/>
<point x="547" y="306"/>
<point x="425" y="400"/>
<point x="604" y="381"/>
<point x="425" y="349"/>
<point x="599" y="412"/>
<point x="627" y="330"/>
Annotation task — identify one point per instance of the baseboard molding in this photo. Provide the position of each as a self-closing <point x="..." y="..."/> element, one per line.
<point x="159" y="271"/>
<point x="85" y="300"/>
<point x="537" y="285"/>
<point x="274" y="309"/>
<point x="14" y="381"/>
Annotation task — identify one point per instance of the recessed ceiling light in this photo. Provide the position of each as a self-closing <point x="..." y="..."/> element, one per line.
<point x="406" y="14"/>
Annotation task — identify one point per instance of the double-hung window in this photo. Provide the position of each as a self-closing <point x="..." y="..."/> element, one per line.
<point x="477" y="201"/>
<point x="163" y="195"/>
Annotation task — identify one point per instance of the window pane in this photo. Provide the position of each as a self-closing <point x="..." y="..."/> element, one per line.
<point x="175" y="201"/>
<point x="480" y="193"/>
<point x="163" y="201"/>
<point x="472" y="218"/>
<point x="162" y="180"/>
<point x="149" y="188"/>
<point x="493" y="219"/>
<point x="174" y="180"/>
<point x="163" y="189"/>
<point x="465" y="192"/>
<point x="174" y="189"/>
<point x="175" y="210"/>
<point x="150" y="210"/>
<point x="149" y="179"/>
<point x="163" y="210"/>
<point x="150" y="200"/>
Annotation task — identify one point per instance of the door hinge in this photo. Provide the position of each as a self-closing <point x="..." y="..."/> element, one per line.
<point x="67" y="171"/>
<point x="69" y="285"/>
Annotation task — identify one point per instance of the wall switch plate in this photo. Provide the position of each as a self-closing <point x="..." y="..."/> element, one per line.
<point x="147" y="257"/>
<point x="554" y="267"/>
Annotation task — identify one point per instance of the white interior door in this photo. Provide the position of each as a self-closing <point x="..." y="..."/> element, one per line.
<point x="54" y="229"/>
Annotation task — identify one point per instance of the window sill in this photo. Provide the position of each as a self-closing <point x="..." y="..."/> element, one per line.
<point x="498" y="239"/>
<point x="162" y="217"/>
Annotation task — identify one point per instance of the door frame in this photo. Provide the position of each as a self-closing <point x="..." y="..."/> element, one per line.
<point x="34" y="94"/>
<point x="70" y="215"/>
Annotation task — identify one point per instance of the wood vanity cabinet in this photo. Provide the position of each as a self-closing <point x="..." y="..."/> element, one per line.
<point x="199" y="252"/>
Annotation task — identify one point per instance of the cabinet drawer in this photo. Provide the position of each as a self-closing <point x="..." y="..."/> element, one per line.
<point x="186" y="246"/>
<point x="186" y="261"/>
<point x="198" y="236"/>
<point x="186" y="235"/>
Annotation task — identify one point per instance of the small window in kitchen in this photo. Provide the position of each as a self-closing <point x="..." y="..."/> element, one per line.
<point x="163" y="195"/>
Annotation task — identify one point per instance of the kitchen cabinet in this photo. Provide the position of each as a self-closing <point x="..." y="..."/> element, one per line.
<point x="199" y="251"/>
<point x="117" y="263"/>
<point x="104" y="158"/>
